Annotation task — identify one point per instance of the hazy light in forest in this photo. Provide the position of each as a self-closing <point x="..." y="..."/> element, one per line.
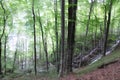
<point x="12" y="42"/>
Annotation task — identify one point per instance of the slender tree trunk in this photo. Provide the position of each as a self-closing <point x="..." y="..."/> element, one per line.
<point x="107" y="28"/>
<point x="95" y="33"/>
<point x="5" y="54"/>
<point x="44" y="41"/>
<point x="40" y="54"/>
<point x="71" y="33"/>
<point x="14" y="61"/>
<point x="61" y="73"/>
<point x="56" y="33"/>
<point x="4" y="25"/>
<point x="46" y="53"/>
<point x="53" y="50"/>
<point x="105" y="23"/>
<point x="87" y="26"/>
<point x="35" y="60"/>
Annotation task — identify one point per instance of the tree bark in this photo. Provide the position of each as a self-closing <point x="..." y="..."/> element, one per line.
<point x="107" y="28"/>
<point x="71" y="33"/>
<point x="89" y="16"/>
<point x="5" y="54"/>
<point x="56" y="33"/>
<point x="4" y="25"/>
<point x="35" y="60"/>
<point x="61" y="73"/>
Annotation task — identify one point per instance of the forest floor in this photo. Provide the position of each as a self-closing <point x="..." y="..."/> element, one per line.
<point x="108" y="72"/>
<point x="107" y="68"/>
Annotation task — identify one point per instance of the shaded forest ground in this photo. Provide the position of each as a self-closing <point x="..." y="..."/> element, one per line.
<point x="108" y="72"/>
<point x="107" y="68"/>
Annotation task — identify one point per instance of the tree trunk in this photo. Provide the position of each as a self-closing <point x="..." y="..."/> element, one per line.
<point x="71" y="33"/>
<point x="107" y="28"/>
<point x="3" y="31"/>
<point x="40" y="54"/>
<point x="5" y="54"/>
<point x="46" y="53"/>
<point x="44" y="41"/>
<point x="56" y="33"/>
<point x="14" y="61"/>
<point x="33" y="12"/>
<point x="87" y="26"/>
<point x="61" y="73"/>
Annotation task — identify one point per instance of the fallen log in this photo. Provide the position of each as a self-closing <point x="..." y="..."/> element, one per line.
<point x="84" y="60"/>
<point x="93" y="56"/>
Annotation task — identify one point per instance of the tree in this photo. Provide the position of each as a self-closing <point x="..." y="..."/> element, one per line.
<point x="56" y="33"/>
<point x="3" y="32"/>
<point x="43" y="40"/>
<point x="61" y="73"/>
<point x="87" y="26"/>
<point x="5" y="54"/>
<point x="33" y="12"/>
<point x="107" y="27"/>
<point x="71" y="33"/>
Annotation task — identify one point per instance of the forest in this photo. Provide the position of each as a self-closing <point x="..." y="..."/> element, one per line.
<point x="59" y="39"/>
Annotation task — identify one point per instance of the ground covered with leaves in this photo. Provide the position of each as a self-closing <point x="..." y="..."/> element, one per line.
<point x="107" y="72"/>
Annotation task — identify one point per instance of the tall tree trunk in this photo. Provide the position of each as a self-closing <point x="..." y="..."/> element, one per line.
<point x="89" y="16"/>
<point x="71" y="33"/>
<point x="61" y="73"/>
<point x="105" y="23"/>
<point x="4" y="25"/>
<point x="44" y="41"/>
<point x="107" y="28"/>
<point x="33" y="12"/>
<point x="56" y="33"/>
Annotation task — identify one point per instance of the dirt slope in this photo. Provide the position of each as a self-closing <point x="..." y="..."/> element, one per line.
<point x="109" y="72"/>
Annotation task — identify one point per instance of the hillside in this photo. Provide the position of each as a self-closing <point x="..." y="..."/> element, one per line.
<point x="109" y="72"/>
<point x="107" y="68"/>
